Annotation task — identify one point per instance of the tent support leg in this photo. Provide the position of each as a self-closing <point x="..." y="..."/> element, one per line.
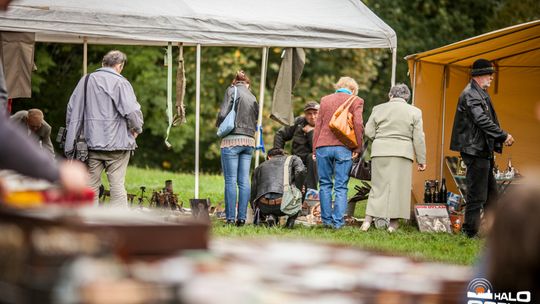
<point x="85" y="56"/>
<point x="197" y="118"/>
<point x="394" y="61"/>
<point x="414" y="84"/>
<point x="445" y="79"/>
<point x="261" y="100"/>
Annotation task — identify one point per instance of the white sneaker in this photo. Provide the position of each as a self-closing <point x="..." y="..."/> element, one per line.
<point x="365" y="226"/>
<point x="391" y="229"/>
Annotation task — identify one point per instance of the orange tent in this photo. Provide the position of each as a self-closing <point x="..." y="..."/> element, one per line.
<point x="438" y="77"/>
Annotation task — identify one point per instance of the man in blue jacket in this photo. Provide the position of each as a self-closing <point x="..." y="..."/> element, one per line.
<point x="476" y="135"/>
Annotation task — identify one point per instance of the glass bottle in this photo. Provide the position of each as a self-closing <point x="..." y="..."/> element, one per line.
<point x="443" y="192"/>
<point x="427" y="193"/>
<point x="509" y="169"/>
<point x="436" y="192"/>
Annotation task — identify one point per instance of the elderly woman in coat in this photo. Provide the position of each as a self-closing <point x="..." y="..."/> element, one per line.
<point x="398" y="138"/>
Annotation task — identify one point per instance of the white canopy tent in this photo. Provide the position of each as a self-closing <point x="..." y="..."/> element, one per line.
<point x="279" y="23"/>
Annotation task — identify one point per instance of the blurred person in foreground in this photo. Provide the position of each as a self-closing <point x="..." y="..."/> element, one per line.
<point x="476" y="134"/>
<point x="398" y="139"/>
<point x="301" y="134"/>
<point x="237" y="147"/>
<point x="511" y="260"/>
<point x="19" y="153"/>
<point x="36" y="126"/>
<point x="267" y="185"/>
<point x="112" y="121"/>
<point x="334" y="159"/>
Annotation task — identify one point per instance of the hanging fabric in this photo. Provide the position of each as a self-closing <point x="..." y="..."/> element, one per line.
<point x="180" y="116"/>
<point x="290" y="70"/>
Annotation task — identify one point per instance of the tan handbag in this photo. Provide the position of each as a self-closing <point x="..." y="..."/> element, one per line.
<point x="342" y="125"/>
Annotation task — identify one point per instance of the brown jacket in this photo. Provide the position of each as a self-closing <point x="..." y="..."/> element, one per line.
<point x="323" y="136"/>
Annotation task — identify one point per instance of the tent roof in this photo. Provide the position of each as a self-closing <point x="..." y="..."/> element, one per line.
<point x="282" y="23"/>
<point x="515" y="46"/>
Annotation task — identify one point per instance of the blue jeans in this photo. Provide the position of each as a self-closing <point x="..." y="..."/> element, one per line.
<point x="235" y="162"/>
<point x="333" y="162"/>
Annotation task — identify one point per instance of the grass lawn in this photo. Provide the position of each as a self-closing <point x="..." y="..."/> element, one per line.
<point x="408" y="241"/>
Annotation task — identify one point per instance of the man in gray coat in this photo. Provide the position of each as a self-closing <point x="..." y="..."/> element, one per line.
<point x="111" y="119"/>
<point x="32" y="120"/>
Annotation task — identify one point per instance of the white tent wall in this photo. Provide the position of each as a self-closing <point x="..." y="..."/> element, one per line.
<point x="244" y="23"/>
<point x="300" y="23"/>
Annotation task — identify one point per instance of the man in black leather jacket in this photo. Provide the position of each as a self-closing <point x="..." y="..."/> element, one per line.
<point x="267" y="185"/>
<point x="476" y="135"/>
<point x="301" y="134"/>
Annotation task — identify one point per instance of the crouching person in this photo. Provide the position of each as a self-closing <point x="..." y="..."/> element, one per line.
<point x="274" y="188"/>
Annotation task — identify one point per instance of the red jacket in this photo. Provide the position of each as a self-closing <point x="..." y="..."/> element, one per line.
<point x="323" y="136"/>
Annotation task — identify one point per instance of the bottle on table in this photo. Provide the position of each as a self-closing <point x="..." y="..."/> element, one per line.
<point x="443" y="192"/>
<point x="436" y="198"/>
<point x="427" y="192"/>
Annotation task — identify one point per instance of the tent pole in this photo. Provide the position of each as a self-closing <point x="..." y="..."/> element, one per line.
<point x="446" y="70"/>
<point x="261" y="100"/>
<point x="414" y="83"/>
<point x="394" y="61"/>
<point x="85" y="56"/>
<point x="197" y="118"/>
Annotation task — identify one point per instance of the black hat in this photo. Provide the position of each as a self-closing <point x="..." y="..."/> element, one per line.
<point x="312" y="105"/>
<point x="482" y="67"/>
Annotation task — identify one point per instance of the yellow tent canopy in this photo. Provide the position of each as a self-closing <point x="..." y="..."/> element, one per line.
<point x="438" y="77"/>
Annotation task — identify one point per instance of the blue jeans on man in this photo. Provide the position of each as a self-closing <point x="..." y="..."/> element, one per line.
<point x="333" y="162"/>
<point x="236" y="162"/>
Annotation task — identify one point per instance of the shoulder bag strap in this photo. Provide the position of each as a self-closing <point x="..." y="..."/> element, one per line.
<point x="81" y="126"/>
<point x="234" y="98"/>
<point x="286" y="171"/>
<point x="349" y="102"/>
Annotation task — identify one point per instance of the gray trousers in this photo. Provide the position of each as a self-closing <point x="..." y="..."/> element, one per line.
<point x="115" y="165"/>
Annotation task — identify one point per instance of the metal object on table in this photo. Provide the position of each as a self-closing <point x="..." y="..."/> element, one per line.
<point x="165" y="198"/>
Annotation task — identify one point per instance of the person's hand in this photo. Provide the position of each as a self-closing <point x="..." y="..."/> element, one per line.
<point x="509" y="140"/>
<point x="313" y="156"/>
<point x="307" y="128"/>
<point x="422" y="167"/>
<point x="135" y="134"/>
<point x="355" y="155"/>
<point x="73" y="176"/>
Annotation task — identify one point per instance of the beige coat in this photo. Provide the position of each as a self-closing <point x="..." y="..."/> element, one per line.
<point x="396" y="130"/>
<point x="398" y="137"/>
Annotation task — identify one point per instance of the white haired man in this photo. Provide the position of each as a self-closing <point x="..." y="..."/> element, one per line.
<point x="105" y="104"/>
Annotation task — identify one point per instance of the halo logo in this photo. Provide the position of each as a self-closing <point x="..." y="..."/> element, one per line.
<point x="480" y="291"/>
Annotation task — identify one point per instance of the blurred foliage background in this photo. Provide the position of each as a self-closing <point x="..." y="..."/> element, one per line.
<point x="420" y="25"/>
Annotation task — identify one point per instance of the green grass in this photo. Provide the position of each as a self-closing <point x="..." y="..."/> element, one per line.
<point x="408" y="241"/>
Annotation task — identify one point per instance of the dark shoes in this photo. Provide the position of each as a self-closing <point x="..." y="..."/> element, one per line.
<point x="290" y="223"/>
<point x="240" y="223"/>
<point x="230" y="223"/>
